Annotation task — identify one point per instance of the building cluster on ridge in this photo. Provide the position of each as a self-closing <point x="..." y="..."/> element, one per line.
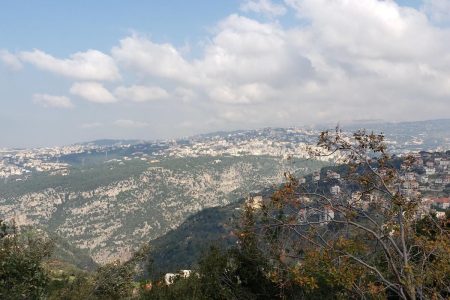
<point x="429" y="181"/>
<point x="276" y="142"/>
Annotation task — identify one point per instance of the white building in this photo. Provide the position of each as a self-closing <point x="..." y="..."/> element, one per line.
<point x="327" y="215"/>
<point x="430" y="171"/>
<point x="335" y="190"/>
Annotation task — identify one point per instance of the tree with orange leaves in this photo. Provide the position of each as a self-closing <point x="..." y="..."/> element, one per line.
<point x="367" y="239"/>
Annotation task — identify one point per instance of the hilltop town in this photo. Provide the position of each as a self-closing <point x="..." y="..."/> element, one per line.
<point x="276" y="142"/>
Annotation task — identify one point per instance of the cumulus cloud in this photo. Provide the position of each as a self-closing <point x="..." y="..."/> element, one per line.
<point x="247" y="51"/>
<point x="245" y="62"/>
<point x="244" y="94"/>
<point x="146" y="57"/>
<point x="394" y="61"/>
<point x="394" y="53"/>
<point x="140" y="93"/>
<point x="10" y="60"/>
<point x="92" y="91"/>
<point x="124" y="123"/>
<point x="89" y="65"/>
<point x="344" y="59"/>
<point x="46" y="100"/>
<point x="266" y="7"/>
<point x="438" y="10"/>
<point x="186" y="95"/>
<point x="91" y="125"/>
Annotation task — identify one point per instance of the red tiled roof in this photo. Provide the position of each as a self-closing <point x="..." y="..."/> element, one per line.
<point x="441" y="200"/>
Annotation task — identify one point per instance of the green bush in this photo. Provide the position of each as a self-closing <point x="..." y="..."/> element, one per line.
<point x="22" y="275"/>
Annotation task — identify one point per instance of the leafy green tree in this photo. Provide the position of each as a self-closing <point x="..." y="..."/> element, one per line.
<point x="117" y="280"/>
<point x="79" y="287"/>
<point x="237" y="273"/>
<point x="22" y="275"/>
<point x="114" y="281"/>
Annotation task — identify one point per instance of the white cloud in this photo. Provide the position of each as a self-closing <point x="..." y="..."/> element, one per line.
<point x="247" y="51"/>
<point x="266" y="7"/>
<point x="10" y="60"/>
<point x="244" y="94"/>
<point x="130" y="124"/>
<point x="438" y="10"/>
<point x="390" y="66"/>
<point x="92" y="91"/>
<point x="89" y="65"/>
<point x="248" y="60"/>
<point x="91" y="125"/>
<point x="46" y="100"/>
<point x="243" y="62"/>
<point x="344" y="59"/>
<point x="143" y="56"/>
<point x="140" y="93"/>
<point x="186" y="95"/>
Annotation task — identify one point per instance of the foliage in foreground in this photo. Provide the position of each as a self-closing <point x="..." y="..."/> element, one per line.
<point x="22" y="275"/>
<point x="112" y="281"/>
<point x="371" y="238"/>
<point x="26" y="271"/>
<point x="238" y="273"/>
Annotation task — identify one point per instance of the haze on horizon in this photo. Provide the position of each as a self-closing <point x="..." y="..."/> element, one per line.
<point x="83" y="70"/>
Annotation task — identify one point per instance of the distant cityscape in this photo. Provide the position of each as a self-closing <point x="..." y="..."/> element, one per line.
<point x="277" y="142"/>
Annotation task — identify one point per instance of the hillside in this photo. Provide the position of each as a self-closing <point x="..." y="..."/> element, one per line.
<point x="108" y="197"/>
<point x="112" y="208"/>
<point x="65" y="253"/>
<point x="182" y="247"/>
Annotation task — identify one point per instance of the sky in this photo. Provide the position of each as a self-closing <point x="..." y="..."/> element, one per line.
<point x="73" y="71"/>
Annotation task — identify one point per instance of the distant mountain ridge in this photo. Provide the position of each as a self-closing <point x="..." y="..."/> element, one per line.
<point x="440" y="128"/>
<point x="111" y="142"/>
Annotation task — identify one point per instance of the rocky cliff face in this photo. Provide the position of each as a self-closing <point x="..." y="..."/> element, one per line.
<point x="111" y="216"/>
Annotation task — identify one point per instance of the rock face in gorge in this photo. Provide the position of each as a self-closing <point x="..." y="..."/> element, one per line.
<point x="112" y="208"/>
